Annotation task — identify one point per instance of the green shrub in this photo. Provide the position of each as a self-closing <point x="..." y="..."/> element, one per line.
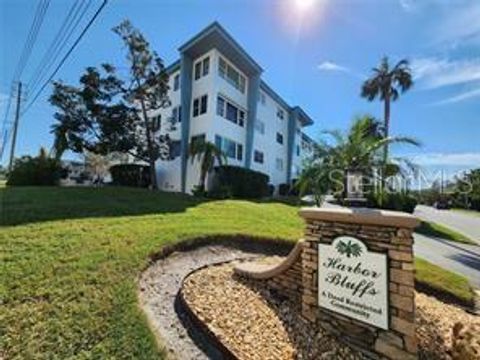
<point x="130" y="175"/>
<point x="283" y="189"/>
<point x="399" y="201"/>
<point x="41" y="170"/>
<point x="238" y="182"/>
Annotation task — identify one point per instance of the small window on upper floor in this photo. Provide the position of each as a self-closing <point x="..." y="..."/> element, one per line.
<point x="262" y="99"/>
<point x="279" y="138"/>
<point x="298" y="150"/>
<point x="156" y="122"/>
<point x="280" y="114"/>
<point x="198" y="70"/>
<point x="279" y="164"/>
<point x="200" y="105"/>
<point x="231" y="75"/>
<point x="202" y="68"/>
<point x="260" y="126"/>
<point x="230" y="111"/>
<point x="177" y="114"/>
<point x="176" y="82"/>
<point x="206" y="66"/>
<point x="258" y="156"/>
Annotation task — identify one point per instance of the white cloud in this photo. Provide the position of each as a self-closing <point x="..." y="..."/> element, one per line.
<point x="466" y="95"/>
<point x="437" y="72"/>
<point x="408" y="5"/>
<point x="467" y="160"/>
<point x="460" y="25"/>
<point x="331" y="66"/>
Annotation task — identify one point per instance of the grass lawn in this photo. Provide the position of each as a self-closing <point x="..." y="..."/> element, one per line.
<point x="468" y="212"/>
<point x="71" y="256"/>
<point x="440" y="279"/>
<point x="430" y="228"/>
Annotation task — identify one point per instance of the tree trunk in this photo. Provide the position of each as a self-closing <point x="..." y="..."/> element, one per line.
<point x="387" y="134"/>
<point x="387" y="126"/>
<point x="203" y="179"/>
<point x="151" y="154"/>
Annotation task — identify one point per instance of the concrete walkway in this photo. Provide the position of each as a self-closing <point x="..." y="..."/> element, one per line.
<point x="466" y="224"/>
<point x="460" y="258"/>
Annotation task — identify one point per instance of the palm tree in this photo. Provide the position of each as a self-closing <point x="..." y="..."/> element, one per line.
<point x="386" y="83"/>
<point x="207" y="153"/>
<point x="356" y="150"/>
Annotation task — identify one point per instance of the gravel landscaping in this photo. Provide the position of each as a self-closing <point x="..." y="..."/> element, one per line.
<point x="256" y="323"/>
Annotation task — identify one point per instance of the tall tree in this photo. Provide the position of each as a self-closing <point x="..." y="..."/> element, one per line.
<point x="148" y="85"/>
<point x="207" y="153"/>
<point x="387" y="83"/>
<point x="109" y="113"/>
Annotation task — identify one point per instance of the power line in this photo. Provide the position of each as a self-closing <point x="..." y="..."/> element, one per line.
<point x="31" y="37"/>
<point x="74" y="45"/>
<point x="61" y="39"/>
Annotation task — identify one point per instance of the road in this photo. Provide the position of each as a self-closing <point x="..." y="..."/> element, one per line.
<point x="466" y="224"/>
<point x="460" y="258"/>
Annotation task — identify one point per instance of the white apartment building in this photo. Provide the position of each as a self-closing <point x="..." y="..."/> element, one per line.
<point x="217" y="95"/>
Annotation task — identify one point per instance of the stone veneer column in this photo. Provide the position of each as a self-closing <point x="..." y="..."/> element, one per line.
<point x="381" y="231"/>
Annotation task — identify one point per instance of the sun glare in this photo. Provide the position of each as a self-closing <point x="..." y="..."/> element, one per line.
<point x="299" y="16"/>
<point x="304" y="5"/>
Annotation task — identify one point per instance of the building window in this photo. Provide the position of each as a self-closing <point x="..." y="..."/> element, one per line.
<point x="202" y="68"/>
<point x="220" y="106"/>
<point x="177" y="114"/>
<point x="231" y="75"/>
<point x="280" y="114"/>
<point x="279" y="138"/>
<point x="197" y="139"/>
<point x="176" y="82"/>
<point x="200" y="105"/>
<point x="298" y="150"/>
<point x="198" y="70"/>
<point x="206" y="66"/>
<point x="299" y="131"/>
<point x="230" y="111"/>
<point x="156" y="122"/>
<point x="231" y="149"/>
<point x="279" y="164"/>
<point x="258" y="156"/>
<point x="175" y="149"/>
<point x="262" y="99"/>
<point x="260" y="126"/>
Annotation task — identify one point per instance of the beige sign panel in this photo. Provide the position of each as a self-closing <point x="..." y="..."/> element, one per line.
<point x="353" y="281"/>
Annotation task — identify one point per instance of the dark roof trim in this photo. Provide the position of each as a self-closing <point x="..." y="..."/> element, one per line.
<point x="304" y="118"/>
<point x="173" y="67"/>
<point x="216" y="27"/>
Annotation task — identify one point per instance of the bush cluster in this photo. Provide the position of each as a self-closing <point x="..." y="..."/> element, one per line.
<point x="399" y="201"/>
<point x="238" y="182"/>
<point x="130" y="175"/>
<point x="41" y="170"/>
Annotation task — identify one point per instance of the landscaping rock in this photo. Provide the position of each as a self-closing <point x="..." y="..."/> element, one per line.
<point x="257" y="323"/>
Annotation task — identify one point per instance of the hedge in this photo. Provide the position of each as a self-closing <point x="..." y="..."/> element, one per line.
<point x="130" y="175"/>
<point x="240" y="182"/>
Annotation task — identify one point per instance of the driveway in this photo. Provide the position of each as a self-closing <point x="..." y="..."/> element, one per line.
<point x="460" y="258"/>
<point x="466" y="224"/>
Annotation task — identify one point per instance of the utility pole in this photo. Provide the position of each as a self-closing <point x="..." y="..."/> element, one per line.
<point x="15" y="126"/>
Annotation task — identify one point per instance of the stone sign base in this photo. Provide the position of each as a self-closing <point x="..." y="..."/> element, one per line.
<point x="382" y="232"/>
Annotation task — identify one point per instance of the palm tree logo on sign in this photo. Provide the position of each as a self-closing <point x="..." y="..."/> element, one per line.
<point x="349" y="249"/>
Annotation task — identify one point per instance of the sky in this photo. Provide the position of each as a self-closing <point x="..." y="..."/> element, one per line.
<point x="315" y="53"/>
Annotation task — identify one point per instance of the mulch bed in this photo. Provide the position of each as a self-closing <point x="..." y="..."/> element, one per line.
<point x="254" y="323"/>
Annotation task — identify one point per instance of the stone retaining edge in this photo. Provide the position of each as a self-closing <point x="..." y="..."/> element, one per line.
<point x="264" y="272"/>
